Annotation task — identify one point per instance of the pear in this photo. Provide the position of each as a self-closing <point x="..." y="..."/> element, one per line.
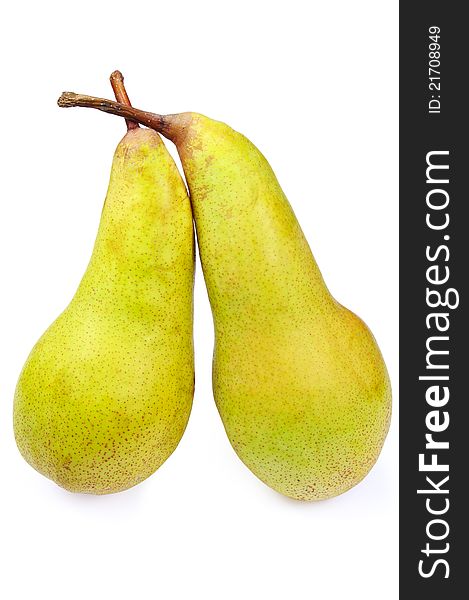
<point x="106" y="393"/>
<point x="298" y="379"/>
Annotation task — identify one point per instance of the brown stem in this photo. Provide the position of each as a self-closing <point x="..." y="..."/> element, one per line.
<point x="117" y="82"/>
<point x="162" y="123"/>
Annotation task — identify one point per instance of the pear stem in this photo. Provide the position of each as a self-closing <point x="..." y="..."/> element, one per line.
<point x="162" y="123"/>
<point x="117" y="82"/>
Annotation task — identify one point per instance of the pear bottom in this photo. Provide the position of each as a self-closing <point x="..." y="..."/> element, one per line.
<point x="307" y="455"/>
<point x="96" y="421"/>
<point x="309" y="420"/>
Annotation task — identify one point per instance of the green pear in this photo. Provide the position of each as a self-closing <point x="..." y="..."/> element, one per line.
<point x="105" y="394"/>
<point x="298" y="379"/>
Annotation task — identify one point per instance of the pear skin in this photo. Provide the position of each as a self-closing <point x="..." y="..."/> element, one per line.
<point x="105" y="394"/>
<point x="298" y="379"/>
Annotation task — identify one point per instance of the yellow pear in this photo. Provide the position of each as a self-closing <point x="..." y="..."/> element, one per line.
<point x="105" y="394"/>
<point x="298" y="379"/>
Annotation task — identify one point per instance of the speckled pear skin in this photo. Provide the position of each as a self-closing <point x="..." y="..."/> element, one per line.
<point x="298" y="379"/>
<point x="105" y="394"/>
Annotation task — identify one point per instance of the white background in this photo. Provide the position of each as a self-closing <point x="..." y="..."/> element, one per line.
<point x="313" y="85"/>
